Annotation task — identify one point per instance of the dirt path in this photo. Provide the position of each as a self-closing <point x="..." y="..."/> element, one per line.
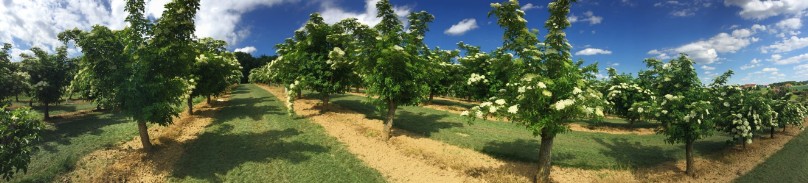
<point x="413" y="158"/>
<point x="723" y="166"/>
<point x="127" y="163"/>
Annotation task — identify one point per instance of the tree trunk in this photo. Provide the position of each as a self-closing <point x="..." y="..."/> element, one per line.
<point x="326" y="98"/>
<point x="689" y="156"/>
<point x="190" y="105"/>
<point x="31" y="102"/>
<point x="357" y="89"/>
<point x="431" y="96"/>
<point x="208" y="99"/>
<point x="772" y="132"/>
<point x="17" y="97"/>
<point x="545" y="157"/>
<point x="299" y="94"/>
<point x="144" y="135"/>
<point x="47" y="111"/>
<point x="784" y="127"/>
<point x="388" y="123"/>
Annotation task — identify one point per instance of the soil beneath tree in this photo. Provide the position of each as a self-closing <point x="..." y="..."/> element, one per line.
<point x="128" y="163"/>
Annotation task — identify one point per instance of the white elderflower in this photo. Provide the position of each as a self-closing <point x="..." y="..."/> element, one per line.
<point x="522" y="89"/>
<point x="726" y="104"/>
<point x="576" y="90"/>
<point x="669" y="97"/>
<point x="513" y="109"/>
<point x="561" y="104"/>
<point x="547" y="93"/>
<point x="640" y="110"/>
<point x="492" y="109"/>
<point x="542" y="85"/>
<point x="500" y="102"/>
<point x="479" y="114"/>
<point x="464" y="113"/>
<point x="599" y="111"/>
<point x="14" y="118"/>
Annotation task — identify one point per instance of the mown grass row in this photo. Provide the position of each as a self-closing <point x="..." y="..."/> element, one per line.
<point x="509" y="141"/>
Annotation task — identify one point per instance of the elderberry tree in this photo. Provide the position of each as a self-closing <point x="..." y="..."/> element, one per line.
<point x="548" y="89"/>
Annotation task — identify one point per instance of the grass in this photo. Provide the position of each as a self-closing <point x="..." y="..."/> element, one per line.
<point x="790" y="164"/>
<point x="508" y="141"/>
<point x="63" y="145"/>
<point x="254" y="140"/>
<point x="63" y="107"/>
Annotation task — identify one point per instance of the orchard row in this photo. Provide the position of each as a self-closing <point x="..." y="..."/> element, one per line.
<point x="528" y="81"/>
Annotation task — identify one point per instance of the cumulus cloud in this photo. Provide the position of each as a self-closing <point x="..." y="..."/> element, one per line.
<point x="761" y="9"/>
<point x="790" y="24"/>
<point x="462" y="27"/>
<point x="659" y="54"/>
<point x="706" y="51"/>
<point x="683" y="8"/>
<point x="530" y="6"/>
<point x="589" y="16"/>
<point x="218" y="19"/>
<point x="332" y="13"/>
<point x="802" y="70"/>
<point x="752" y="64"/>
<point x="779" y="60"/>
<point x="37" y="22"/>
<point x="248" y="49"/>
<point x="708" y="68"/>
<point x="593" y="51"/>
<point x="786" y="45"/>
<point x="770" y="69"/>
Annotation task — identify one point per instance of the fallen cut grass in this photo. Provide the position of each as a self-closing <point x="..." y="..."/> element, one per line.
<point x="583" y="150"/>
<point x="252" y="139"/>
<point x="790" y="164"/>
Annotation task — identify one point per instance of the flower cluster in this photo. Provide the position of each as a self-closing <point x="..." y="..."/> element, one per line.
<point x="291" y="92"/>
<point x="476" y="78"/>
<point x="497" y="106"/>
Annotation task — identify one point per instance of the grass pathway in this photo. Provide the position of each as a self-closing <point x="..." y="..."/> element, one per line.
<point x="790" y="164"/>
<point x="252" y="139"/>
<point x="64" y="144"/>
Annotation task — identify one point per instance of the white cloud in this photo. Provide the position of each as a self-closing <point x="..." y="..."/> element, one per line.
<point x="530" y="6"/>
<point x="770" y="69"/>
<point x="778" y="59"/>
<point x="786" y="45"/>
<point x="705" y="67"/>
<point x="589" y="16"/>
<point x="790" y="24"/>
<point x="37" y="22"/>
<point x="593" y="51"/>
<point x="761" y="9"/>
<point x="462" y="27"/>
<point x="754" y="63"/>
<point x="706" y="51"/>
<point x="802" y="70"/>
<point x="659" y="54"/>
<point x="218" y="19"/>
<point x="332" y="13"/>
<point x="684" y="13"/>
<point x="248" y="49"/>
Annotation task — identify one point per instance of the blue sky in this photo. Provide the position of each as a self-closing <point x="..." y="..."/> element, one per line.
<point x="762" y="41"/>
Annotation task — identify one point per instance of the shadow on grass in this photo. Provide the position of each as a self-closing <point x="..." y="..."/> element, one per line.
<point x="422" y="123"/>
<point x="634" y="154"/>
<point x="451" y="103"/>
<point x="89" y="124"/>
<point x="524" y="150"/>
<point x="217" y="152"/>
<point x="618" y="123"/>
<point x="249" y="108"/>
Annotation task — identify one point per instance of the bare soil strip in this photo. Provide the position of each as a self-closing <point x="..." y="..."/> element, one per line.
<point x="128" y="163"/>
<point x="412" y="158"/>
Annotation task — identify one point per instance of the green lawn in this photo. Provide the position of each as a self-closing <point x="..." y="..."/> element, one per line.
<point x="65" y="106"/>
<point x="65" y="144"/>
<point x="254" y="140"/>
<point x="790" y="164"/>
<point x="509" y="141"/>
